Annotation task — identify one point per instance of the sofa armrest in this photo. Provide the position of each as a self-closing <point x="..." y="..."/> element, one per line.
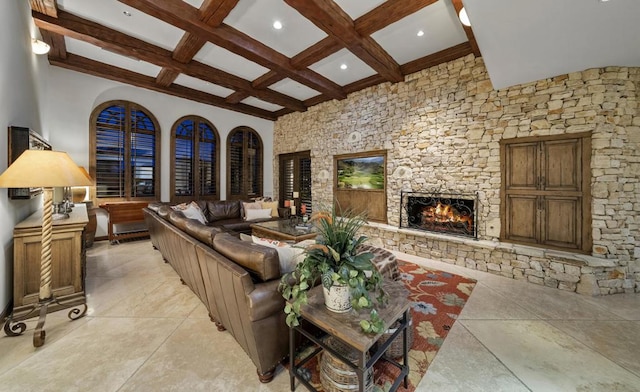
<point x="265" y="300"/>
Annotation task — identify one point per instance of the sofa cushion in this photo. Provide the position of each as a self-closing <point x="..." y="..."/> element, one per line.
<point x="257" y="214"/>
<point x="273" y="205"/>
<point x="202" y="232"/>
<point x="288" y="255"/>
<point x="179" y="220"/>
<point x="164" y="211"/>
<point x="223" y="209"/>
<point x="260" y="261"/>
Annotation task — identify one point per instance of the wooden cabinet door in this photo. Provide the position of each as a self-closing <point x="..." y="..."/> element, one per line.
<point x="562" y="222"/>
<point x="522" y="166"/>
<point x="561" y="165"/>
<point x="522" y="221"/>
<point x="545" y="191"/>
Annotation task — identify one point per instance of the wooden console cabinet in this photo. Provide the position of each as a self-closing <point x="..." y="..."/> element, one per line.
<point x="68" y="261"/>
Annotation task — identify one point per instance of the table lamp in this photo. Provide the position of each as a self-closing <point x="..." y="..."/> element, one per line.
<point x="46" y="169"/>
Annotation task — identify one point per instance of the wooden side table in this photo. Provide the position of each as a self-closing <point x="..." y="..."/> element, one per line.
<point x="346" y="328"/>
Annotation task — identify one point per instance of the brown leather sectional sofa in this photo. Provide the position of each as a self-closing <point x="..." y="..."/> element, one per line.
<point x="236" y="280"/>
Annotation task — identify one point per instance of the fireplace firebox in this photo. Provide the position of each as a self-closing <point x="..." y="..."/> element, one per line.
<point x="445" y="213"/>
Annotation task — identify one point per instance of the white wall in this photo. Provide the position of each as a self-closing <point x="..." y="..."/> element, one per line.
<point x="22" y="84"/>
<point x="74" y="95"/>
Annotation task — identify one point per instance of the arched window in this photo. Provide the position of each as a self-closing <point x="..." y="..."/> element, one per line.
<point x="244" y="164"/>
<point x="124" y="153"/>
<point x="195" y="160"/>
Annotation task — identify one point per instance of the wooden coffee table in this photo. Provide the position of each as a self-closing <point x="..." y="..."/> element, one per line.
<point x="346" y="328"/>
<point x="282" y="230"/>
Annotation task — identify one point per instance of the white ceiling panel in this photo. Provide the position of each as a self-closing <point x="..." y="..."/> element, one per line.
<point x="197" y="84"/>
<point x="357" y="8"/>
<point x="524" y="41"/>
<point x="93" y="52"/>
<point x="261" y="104"/>
<point x="110" y="13"/>
<point x="194" y="3"/>
<point x="294" y="89"/>
<point x="329" y="67"/>
<point x="227" y="61"/>
<point x="439" y="24"/>
<point x="255" y="18"/>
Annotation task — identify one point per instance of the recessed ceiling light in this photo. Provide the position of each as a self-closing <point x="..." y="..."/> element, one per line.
<point x="277" y="25"/>
<point x="126" y="13"/>
<point x="420" y="33"/>
<point x="343" y="66"/>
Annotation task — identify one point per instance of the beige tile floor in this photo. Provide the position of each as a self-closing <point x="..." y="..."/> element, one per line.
<point x="147" y="332"/>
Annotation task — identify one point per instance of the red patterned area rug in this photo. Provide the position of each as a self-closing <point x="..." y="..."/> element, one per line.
<point x="437" y="298"/>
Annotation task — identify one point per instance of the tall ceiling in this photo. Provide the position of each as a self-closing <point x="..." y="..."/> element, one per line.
<point x="227" y="53"/>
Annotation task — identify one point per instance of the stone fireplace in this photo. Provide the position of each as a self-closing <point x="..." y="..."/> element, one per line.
<point x="442" y="128"/>
<point x="444" y="213"/>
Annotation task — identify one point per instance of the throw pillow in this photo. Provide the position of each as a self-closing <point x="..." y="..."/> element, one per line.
<point x="180" y="207"/>
<point x="194" y="212"/>
<point x="249" y="206"/>
<point x="257" y="214"/>
<point x="288" y="255"/>
<point x="274" y="207"/>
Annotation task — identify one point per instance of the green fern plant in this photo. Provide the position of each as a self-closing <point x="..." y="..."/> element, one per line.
<point x="333" y="260"/>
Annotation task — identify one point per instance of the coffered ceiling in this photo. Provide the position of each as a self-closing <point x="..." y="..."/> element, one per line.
<point x="228" y="53"/>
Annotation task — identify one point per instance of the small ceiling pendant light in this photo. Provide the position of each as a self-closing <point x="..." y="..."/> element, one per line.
<point x="39" y="47"/>
<point x="420" y="33"/>
<point x="464" y="18"/>
<point x="343" y="66"/>
<point x="277" y="25"/>
<point x="126" y="13"/>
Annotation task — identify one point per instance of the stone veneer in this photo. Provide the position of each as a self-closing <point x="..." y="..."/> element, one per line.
<point x="441" y="128"/>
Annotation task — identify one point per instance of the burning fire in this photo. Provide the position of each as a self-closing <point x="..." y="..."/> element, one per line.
<point x="442" y="213"/>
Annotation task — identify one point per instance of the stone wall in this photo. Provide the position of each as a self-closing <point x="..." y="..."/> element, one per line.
<point x="441" y="128"/>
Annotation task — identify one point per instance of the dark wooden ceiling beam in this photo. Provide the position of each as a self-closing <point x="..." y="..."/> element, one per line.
<point x="47" y="7"/>
<point x="452" y="53"/>
<point x="57" y="44"/>
<point x="329" y="17"/>
<point x="457" y="4"/>
<point x="388" y="13"/>
<point x="236" y="97"/>
<point x="101" y="36"/>
<point x="184" y="16"/>
<point x="213" y="13"/>
<point x="95" y="68"/>
<point x="380" y="17"/>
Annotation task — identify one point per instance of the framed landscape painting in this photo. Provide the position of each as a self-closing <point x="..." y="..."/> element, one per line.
<point x="361" y="172"/>
<point x="360" y="183"/>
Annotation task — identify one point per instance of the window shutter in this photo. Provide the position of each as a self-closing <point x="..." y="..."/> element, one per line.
<point x="244" y="164"/>
<point x="207" y="160"/>
<point x="183" y="159"/>
<point x="110" y="140"/>
<point x="287" y="178"/>
<point x="254" y="157"/>
<point x="123" y="156"/>
<point x="143" y="147"/>
<point x="236" y="160"/>
<point x="305" y="183"/>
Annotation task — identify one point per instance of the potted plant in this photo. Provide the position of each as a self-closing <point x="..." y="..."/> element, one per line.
<point x="334" y="261"/>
